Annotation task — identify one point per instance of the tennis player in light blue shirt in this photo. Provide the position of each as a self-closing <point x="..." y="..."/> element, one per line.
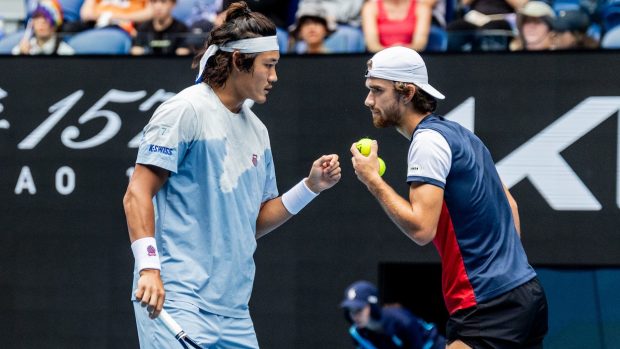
<point x="206" y="158"/>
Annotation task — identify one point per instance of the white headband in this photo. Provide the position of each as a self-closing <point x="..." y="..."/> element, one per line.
<point x="253" y="45"/>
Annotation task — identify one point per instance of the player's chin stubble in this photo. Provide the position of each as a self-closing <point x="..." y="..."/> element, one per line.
<point x="388" y="118"/>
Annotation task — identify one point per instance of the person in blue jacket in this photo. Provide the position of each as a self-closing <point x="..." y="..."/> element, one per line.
<point x="385" y="327"/>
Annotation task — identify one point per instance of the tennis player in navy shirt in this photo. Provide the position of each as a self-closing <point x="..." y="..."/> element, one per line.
<point x="458" y="202"/>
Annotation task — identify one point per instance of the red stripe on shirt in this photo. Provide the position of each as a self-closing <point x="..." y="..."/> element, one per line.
<point x="458" y="292"/>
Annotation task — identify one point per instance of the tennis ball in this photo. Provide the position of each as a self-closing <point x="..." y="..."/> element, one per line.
<point x="363" y="145"/>
<point x="381" y="166"/>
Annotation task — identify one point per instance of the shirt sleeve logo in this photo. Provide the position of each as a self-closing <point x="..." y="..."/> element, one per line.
<point x="415" y="168"/>
<point x="254" y="159"/>
<point x="160" y="149"/>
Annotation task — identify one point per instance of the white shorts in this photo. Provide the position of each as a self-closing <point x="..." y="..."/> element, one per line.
<point x="207" y="329"/>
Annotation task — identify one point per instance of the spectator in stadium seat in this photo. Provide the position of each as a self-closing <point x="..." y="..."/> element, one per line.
<point x="41" y="37"/>
<point x="344" y="12"/>
<point x="163" y="35"/>
<point x="570" y="29"/>
<point x="387" y="327"/>
<point x="535" y="25"/>
<point x="348" y="37"/>
<point x="312" y="27"/>
<point x="388" y="23"/>
<point x="483" y="18"/>
<point x="122" y="13"/>
<point x="71" y="15"/>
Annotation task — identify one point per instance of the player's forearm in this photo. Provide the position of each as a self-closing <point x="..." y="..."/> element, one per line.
<point x="271" y="215"/>
<point x="140" y="215"/>
<point x="400" y="211"/>
<point x="140" y="222"/>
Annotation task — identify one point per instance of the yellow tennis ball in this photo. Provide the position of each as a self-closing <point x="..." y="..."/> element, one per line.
<point x="363" y="145"/>
<point x="381" y="166"/>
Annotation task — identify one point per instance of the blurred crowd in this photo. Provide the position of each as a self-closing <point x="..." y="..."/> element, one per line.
<point x="179" y="27"/>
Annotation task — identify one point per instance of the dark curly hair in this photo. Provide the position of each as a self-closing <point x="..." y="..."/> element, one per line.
<point x="240" y="23"/>
<point x="422" y="101"/>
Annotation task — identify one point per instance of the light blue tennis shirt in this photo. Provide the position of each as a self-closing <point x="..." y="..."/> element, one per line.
<point x="221" y="170"/>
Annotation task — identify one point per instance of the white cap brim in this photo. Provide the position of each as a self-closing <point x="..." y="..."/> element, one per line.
<point x="431" y="91"/>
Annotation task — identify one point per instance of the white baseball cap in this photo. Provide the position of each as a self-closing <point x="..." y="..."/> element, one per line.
<point x="401" y="64"/>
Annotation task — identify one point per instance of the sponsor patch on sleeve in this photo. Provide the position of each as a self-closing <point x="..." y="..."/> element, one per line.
<point x="160" y="149"/>
<point x="415" y="169"/>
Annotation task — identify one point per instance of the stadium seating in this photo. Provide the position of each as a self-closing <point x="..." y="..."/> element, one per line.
<point x="611" y="39"/>
<point x="437" y="40"/>
<point x="8" y="42"/>
<point x="610" y="16"/>
<point x="182" y="10"/>
<point x="282" y="36"/>
<point x="106" y="41"/>
<point x="566" y="5"/>
<point x="346" y="39"/>
<point x="71" y="9"/>
<point x="12" y="14"/>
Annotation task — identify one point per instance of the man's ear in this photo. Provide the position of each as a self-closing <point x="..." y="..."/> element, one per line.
<point x="410" y="91"/>
<point x="236" y="61"/>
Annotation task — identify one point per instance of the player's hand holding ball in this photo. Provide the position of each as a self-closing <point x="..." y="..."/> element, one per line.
<point x="366" y="163"/>
<point x="381" y="166"/>
<point x="364" y="146"/>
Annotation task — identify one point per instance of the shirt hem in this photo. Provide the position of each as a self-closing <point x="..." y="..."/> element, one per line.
<point x="506" y="288"/>
<point x="427" y="180"/>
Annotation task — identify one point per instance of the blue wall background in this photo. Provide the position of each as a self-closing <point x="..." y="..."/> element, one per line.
<point x="584" y="307"/>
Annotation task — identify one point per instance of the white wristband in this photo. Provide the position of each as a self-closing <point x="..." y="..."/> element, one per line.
<point x="145" y="253"/>
<point x="298" y="197"/>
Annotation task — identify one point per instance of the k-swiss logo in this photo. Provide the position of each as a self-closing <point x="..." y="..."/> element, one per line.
<point x="150" y="250"/>
<point x="159" y="149"/>
<point x="254" y="159"/>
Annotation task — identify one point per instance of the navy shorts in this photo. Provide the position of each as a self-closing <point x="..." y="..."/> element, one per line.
<point x="516" y="319"/>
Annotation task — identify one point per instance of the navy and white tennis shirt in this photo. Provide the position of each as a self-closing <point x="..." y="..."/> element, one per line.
<point x="481" y="252"/>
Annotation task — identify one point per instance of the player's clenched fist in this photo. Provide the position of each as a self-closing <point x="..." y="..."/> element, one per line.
<point x="324" y="174"/>
<point x="150" y="291"/>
